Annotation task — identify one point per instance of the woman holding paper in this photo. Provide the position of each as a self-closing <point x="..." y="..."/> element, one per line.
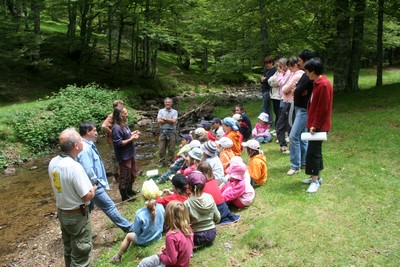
<point x="319" y="120"/>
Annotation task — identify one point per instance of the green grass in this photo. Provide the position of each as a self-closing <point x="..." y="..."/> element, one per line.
<point x="353" y="219"/>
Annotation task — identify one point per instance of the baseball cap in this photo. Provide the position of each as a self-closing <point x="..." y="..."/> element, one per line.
<point x="252" y="144"/>
<point x="216" y="120"/>
<point x="186" y="137"/>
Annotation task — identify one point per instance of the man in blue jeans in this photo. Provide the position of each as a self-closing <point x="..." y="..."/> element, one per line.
<point x="302" y="93"/>
<point x="91" y="161"/>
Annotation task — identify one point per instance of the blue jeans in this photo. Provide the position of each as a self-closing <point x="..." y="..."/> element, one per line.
<point x="266" y="106"/>
<point x="105" y="203"/>
<point x="174" y="169"/>
<point x="263" y="139"/>
<point x="298" y="148"/>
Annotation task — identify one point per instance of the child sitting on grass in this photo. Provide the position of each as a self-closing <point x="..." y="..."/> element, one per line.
<point x="203" y="212"/>
<point x="225" y="152"/>
<point x="192" y="161"/>
<point x="148" y="224"/>
<point x="179" y="190"/>
<point x="181" y="156"/>
<point x="238" y="190"/>
<point x="258" y="163"/>
<point x="212" y="188"/>
<point x="178" y="240"/>
<point x="210" y="156"/>
<point x="261" y="131"/>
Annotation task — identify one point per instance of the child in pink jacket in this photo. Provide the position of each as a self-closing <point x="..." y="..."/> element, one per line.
<point x="238" y="190"/>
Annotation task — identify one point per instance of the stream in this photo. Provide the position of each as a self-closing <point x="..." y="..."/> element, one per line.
<point x="27" y="200"/>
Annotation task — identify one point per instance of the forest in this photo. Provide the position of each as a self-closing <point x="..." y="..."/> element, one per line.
<point x="50" y="44"/>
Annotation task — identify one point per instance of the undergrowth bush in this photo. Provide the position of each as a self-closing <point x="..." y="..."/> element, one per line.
<point x="39" y="128"/>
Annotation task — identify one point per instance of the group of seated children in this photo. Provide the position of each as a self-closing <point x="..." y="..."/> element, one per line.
<point x="208" y="177"/>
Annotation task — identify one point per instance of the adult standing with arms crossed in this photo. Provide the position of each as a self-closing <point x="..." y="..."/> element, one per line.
<point x="91" y="161"/>
<point x="302" y="93"/>
<point x="319" y="120"/>
<point x="167" y="118"/>
<point x="72" y="190"/>
<point x="125" y="152"/>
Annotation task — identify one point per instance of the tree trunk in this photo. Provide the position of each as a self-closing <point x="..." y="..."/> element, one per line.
<point x="121" y="31"/>
<point x="358" y="33"/>
<point x="36" y="8"/>
<point x="109" y="37"/>
<point x="71" y="32"/>
<point x="263" y="31"/>
<point x="343" y="48"/>
<point x="379" y="44"/>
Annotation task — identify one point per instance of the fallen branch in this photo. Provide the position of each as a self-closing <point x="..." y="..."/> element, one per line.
<point x="184" y="116"/>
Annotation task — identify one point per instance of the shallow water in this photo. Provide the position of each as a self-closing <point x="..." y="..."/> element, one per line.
<point x="28" y="201"/>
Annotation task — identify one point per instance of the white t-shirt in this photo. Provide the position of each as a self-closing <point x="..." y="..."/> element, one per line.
<point x="69" y="182"/>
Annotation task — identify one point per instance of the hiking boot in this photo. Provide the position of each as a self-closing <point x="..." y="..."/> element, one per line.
<point x="309" y="180"/>
<point x="293" y="171"/>
<point x="313" y="188"/>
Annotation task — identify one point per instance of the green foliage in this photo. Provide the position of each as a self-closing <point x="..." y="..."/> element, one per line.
<point x="39" y="128"/>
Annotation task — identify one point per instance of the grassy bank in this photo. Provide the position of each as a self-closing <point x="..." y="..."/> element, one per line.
<point x="353" y="219"/>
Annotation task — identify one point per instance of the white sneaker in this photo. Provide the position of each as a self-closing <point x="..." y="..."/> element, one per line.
<point x="292" y="172"/>
<point x="313" y="188"/>
<point x="309" y="180"/>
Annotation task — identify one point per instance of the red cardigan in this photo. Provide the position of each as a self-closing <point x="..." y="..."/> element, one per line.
<point x="320" y="105"/>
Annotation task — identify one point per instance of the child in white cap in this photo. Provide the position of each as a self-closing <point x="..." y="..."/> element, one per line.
<point x="258" y="163"/>
<point x="225" y="151"/>
<point x="261" y="130"/>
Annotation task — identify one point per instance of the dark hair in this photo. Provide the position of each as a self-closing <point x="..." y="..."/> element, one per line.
<point x="86" y="126"/>
<point x="252" y="152"/>
<point x="269" y="59"/>
<point x="117" y="115"/>
<point x="314" y="65"/>
<point x="180" y="183"/>
<point x="292" y="61"/>
<point x="306" y="55"/>
<point x="239" y="106"/>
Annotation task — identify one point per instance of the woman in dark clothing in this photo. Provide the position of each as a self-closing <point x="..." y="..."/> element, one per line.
<point x="124" y="149"/>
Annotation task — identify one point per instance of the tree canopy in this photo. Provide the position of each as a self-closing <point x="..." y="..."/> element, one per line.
<point x="221" y="36"/>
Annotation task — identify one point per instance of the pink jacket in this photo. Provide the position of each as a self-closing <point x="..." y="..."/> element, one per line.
<point x="239" y="189"/>
<point x="287" y="89"/>
<point x="282" y="79"/>
<point x="261" y="130"/>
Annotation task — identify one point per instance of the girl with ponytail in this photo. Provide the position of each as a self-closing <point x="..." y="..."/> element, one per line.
<point x="149" y="222"/>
